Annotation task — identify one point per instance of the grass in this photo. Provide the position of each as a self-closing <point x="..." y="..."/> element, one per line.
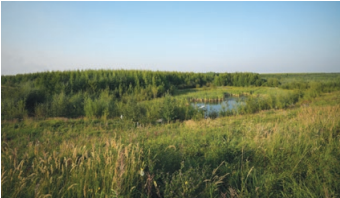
<point x="273" y="153"/>
<point x="221" y="92"/>
<point x="304" y="77"/>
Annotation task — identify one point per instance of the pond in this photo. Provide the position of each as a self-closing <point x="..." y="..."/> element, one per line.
<point x="229" y="103"/>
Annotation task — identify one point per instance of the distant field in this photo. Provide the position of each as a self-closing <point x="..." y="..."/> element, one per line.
<point x="305" y="77"/>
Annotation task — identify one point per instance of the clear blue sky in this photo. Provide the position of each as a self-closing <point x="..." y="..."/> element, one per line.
<point x="263" y="37"/>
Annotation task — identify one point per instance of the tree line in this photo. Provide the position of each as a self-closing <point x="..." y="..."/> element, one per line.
<point x="121" y="81"/>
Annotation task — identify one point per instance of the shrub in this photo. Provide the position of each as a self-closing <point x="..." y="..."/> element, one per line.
<point x="42" y="110"/>
<point x="11" y="109"/>
<point x="169" y="107"/>
<point x="134" y="111"/>
<point x="76" y="106"/>
<point x="33" y="98"/>
<point x="59" y="105"/>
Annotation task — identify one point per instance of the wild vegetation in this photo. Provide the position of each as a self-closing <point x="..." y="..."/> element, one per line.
<point x="283" y="142"/>
<point x="100" y="93"/>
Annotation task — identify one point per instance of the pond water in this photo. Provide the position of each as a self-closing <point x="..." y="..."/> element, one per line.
<point x="229" y="103"/>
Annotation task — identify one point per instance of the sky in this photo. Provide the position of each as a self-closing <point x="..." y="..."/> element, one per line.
<point x="261" y="37"/>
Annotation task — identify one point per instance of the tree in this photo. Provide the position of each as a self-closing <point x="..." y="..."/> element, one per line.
<point x="133" y="110"/>
<point x="154" y="91"/>
<point x="168" y="110"/>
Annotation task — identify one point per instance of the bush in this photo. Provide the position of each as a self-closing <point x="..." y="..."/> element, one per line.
<point x="153" y="111"/>
<point x="59" y="105"/>
<point x="169" y="108"/>
<point x="42" y="110"/>
<point x="33" y="98"/>
<point x="76" y="106"/>
<point x="11" y="109"/>
<point x="273" y="82"/>
<point x="281" y="101"/>
<point x="134" y="111"/>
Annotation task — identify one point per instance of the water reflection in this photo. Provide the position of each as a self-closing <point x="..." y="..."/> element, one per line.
<point x="229" y="103"/>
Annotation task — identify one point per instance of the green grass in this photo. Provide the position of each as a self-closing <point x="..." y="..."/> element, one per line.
<point x="304" y="77"/>
<point x="220" y="92"/>
<point x="274" y="153"/>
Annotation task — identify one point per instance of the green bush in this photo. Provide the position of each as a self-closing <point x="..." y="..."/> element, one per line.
<point x="11" y="109"/>
<point x="278" y="101"/>
<point x="59" y="105"/>
<point x="134" y="111"/>
<point x="169" y="108"/>
<point x="33" y="98"/>
<point x="42" y="110"/>
<point x="76" y="106"/>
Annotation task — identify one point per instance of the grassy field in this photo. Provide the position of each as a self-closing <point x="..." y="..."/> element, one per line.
<point x="293" y="152"/>
<point x="303" y="77"/>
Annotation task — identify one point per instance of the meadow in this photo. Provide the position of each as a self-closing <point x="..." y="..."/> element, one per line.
<point x="282" y="143"/>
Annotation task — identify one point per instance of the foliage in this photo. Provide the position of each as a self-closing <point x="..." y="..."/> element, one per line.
<point x="124" y="81"/>
<point x="257" y="103"/>
<point x="11" y="109"/>
<point x="81" y="93"/>
<point x="168" y="110"/>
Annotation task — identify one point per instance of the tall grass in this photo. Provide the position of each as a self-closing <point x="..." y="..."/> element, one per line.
<point x="274" y="153"/>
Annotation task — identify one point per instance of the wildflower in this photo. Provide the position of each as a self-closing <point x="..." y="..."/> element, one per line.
<point x="186" y="183"/>
<point x="98" y="188"/>
<point x="141" y="172"/>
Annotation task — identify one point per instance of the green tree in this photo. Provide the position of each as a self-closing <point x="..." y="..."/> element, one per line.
<point x="133" y="110"/>
<point x="154" y="91"/>
<point x="169" y="106"/>
<point x="59" y="105"/>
